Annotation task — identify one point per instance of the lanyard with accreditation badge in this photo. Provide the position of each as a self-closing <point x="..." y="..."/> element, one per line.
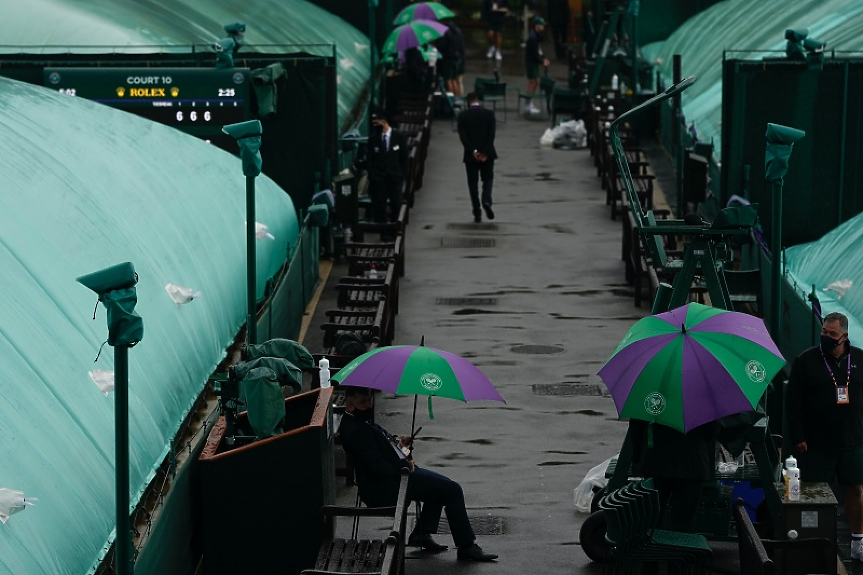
<point x="841" y="390"/>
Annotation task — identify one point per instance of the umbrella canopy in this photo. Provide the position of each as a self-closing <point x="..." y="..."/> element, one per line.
<point x="423" y="11"/>
<point x="413" y="35"/>
<point x="418" y="370"/>
<point x="691" y="365"/>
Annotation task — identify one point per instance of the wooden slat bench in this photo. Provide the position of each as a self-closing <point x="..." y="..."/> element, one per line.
<point x="339" y="556"/>
<point x="369" y="325"/>
<point x="643" y="184"/>
<point x="357" y="293"/>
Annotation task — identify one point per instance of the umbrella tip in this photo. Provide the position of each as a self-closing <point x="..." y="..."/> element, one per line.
<point x="422" y="340"/>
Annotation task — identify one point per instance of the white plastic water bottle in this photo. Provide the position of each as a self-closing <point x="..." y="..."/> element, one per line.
<point x="792" y="474"/>
<point x="790" y="462"/>
<point x="373" y="273"/>
<point x="793" y="489"/>
<point x="614" y="82"/>
<point x="324" y="368"/>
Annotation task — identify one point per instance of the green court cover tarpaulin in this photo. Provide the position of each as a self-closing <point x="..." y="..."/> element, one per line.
<point x="86" y="187"/>
<point x="743" y="25"/>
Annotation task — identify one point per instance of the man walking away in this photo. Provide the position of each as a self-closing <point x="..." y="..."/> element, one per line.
<point x="476" y="129"/>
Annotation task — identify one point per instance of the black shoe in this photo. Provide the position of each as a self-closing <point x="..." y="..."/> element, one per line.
<point x="477" y="218"/>
<point x="425" y="541"/>
<point x="474" y="552"/>
<point x="489" y="213"/>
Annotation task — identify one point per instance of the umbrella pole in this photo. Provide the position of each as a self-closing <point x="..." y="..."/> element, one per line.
<point x="414" y="418"/>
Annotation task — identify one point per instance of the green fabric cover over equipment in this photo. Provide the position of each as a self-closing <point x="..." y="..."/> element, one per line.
<point x="736" y="217"/>
<point x="319" y="215"/>
<point x="287" y="349"/>
<point x="264" y="82"/>
<point x="283" y="370"/>
<point x="264" y="401"/>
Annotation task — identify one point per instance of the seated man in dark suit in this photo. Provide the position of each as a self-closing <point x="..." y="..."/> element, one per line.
<point x="387" y="165"/>
<point x="378" y="459"/>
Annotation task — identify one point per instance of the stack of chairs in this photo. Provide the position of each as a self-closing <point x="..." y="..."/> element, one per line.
<point x="632" y="515"/>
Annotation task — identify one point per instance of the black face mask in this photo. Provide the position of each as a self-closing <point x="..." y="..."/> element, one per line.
<point x="363" y="414"/>
<point x="828" y="343"/>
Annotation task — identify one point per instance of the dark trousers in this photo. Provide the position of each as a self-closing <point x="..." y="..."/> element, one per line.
<point x="383" y="193"/>
<point x="475" y="171"/>
<point x="437" y="492"/>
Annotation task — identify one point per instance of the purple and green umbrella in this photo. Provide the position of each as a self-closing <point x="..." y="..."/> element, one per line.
<point x="690" y="366"/>
<point x="423" y="11"/>
<point x="418" y="370"/>
<point x="413" y="35"/>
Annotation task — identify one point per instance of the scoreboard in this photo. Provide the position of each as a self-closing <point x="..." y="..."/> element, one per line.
<point x="198" y="101"/>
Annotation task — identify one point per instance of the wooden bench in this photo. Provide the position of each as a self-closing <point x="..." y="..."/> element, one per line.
<point x="363" y="252"/>
<point x="338" y="556"/>
<point x="358" y="293"/>
<point x="643" y="184"/>
<point x="368" y="324"/>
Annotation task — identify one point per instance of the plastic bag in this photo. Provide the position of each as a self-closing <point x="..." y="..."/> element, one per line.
<point x="547" y="139"/>
<point x="571" y="135"/>
<point x="592" y="482"/>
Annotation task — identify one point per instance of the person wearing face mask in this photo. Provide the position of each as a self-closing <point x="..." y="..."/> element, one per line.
<point x="825" y="418"/>
<point x="379" y="458"/>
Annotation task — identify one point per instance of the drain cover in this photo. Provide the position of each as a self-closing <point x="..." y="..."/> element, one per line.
<point x="537" y="349"/>
<point x="467" y="242"/>
<point x="480" y="525"/>
<point x="466" y="301"/>
<point x="566" y="389"/>
<point x="481" y="227"/>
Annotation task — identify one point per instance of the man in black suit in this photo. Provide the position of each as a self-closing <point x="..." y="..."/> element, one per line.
<point x="476" y="129"/>
<point x="378" y="460"/>
<point x="387" y="164"/>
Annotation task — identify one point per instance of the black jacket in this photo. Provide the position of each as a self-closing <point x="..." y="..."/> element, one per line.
<point x="390" y="164"/>
<point x="377" y="464"/>
<point x="813" y="414"/>
<point x="476" y="129"/>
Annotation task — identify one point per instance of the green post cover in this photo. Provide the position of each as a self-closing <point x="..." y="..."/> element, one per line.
<point x="780" y="140"/>
<point x="115" y="286"/>
<point x="248" y="136"/>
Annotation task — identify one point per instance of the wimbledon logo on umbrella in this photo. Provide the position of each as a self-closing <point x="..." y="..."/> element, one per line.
<point x="654" y="404"/>
<point x="755" y="370"/>
<point x="431" y="381"/>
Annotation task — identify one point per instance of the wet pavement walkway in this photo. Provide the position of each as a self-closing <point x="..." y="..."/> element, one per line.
<point x="538" y="301"/>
